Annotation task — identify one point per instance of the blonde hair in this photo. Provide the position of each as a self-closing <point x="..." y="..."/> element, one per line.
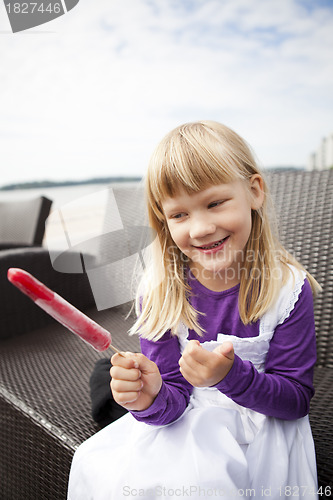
<point x="192" y="157"/>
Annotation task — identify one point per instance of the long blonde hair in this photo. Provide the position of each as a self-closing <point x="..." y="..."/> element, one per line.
<point x="192" y="157"/>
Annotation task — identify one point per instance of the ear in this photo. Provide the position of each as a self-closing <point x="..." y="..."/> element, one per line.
<point x="257" y="191"/>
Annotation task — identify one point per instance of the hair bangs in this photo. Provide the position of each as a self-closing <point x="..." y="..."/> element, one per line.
<point x="191" y="158"/>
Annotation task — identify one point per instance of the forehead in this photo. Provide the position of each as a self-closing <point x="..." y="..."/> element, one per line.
<point x="212" y="193"/>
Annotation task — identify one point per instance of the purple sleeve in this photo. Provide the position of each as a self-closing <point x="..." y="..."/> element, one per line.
<point x="175" y="392"/>
<point x="285" y="389"/>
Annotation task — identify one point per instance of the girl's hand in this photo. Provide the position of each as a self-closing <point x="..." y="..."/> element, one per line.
<point x="135" y="381"/>
<point x="202" y="368"/>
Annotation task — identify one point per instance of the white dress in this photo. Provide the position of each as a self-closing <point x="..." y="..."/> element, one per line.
<point x="217" y="448"/>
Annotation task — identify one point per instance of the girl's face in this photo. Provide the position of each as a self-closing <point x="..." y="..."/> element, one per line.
<point x="212" y="227"/>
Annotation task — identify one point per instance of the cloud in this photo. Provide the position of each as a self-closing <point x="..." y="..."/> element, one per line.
<point x="92" y="92"/>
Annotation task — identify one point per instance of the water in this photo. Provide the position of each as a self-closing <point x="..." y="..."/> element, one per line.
<point x="60" y="195"/>
<point x="77" y="212"/>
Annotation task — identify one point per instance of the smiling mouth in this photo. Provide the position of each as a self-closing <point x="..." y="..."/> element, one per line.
<point x="213" y="245"/>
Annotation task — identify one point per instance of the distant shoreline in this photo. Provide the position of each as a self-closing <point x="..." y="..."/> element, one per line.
<point x="51" y="184"/>
<point x="97" y="180"/>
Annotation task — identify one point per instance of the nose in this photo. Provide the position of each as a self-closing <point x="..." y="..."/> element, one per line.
<point x="201" y="227"/>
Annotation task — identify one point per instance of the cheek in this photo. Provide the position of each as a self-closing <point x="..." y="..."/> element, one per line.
<point x="247" y="225"/>
<point x="176" y="234"/>
<point x="241" y="224"/>
<point x="236" y="219"/>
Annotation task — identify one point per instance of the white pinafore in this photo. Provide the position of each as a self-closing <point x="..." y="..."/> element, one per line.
<point x="217" y="448"/>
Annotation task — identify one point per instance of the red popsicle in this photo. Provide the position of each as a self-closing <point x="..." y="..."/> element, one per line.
<point x="61" y="310"/>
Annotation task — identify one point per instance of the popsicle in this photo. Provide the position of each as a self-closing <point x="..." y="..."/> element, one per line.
<point x="61" y="310"/>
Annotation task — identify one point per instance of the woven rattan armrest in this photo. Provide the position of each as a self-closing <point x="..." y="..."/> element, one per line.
<point x="321" y="418"/>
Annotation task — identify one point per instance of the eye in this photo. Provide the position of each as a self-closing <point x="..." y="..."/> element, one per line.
<point x="215" y="204"/>
<point x="178" y="216"/>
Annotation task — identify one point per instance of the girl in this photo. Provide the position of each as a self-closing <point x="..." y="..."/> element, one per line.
<point x="227" y="337"/>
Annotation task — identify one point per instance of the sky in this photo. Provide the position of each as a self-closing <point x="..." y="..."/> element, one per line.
<point x="91" y="93"/>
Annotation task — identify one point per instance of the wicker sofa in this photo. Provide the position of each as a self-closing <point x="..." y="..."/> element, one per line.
<point x="22" y="223"/>
<point x="45" y="406"/>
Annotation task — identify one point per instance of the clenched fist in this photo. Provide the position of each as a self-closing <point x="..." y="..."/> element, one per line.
<point x="135" y="381"/>
<point x="202" y="368"/>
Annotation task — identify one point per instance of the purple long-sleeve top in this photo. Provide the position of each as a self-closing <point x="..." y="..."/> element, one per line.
<point x="283" y="390"/>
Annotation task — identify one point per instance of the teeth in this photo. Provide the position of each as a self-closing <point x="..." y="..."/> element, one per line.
<point x="214" y="245"/>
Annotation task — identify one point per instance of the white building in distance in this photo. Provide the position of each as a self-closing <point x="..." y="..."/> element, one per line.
<point x="323" y="157"/>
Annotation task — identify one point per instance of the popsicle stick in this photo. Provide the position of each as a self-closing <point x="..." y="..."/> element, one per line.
<point x="116" y="350"/>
